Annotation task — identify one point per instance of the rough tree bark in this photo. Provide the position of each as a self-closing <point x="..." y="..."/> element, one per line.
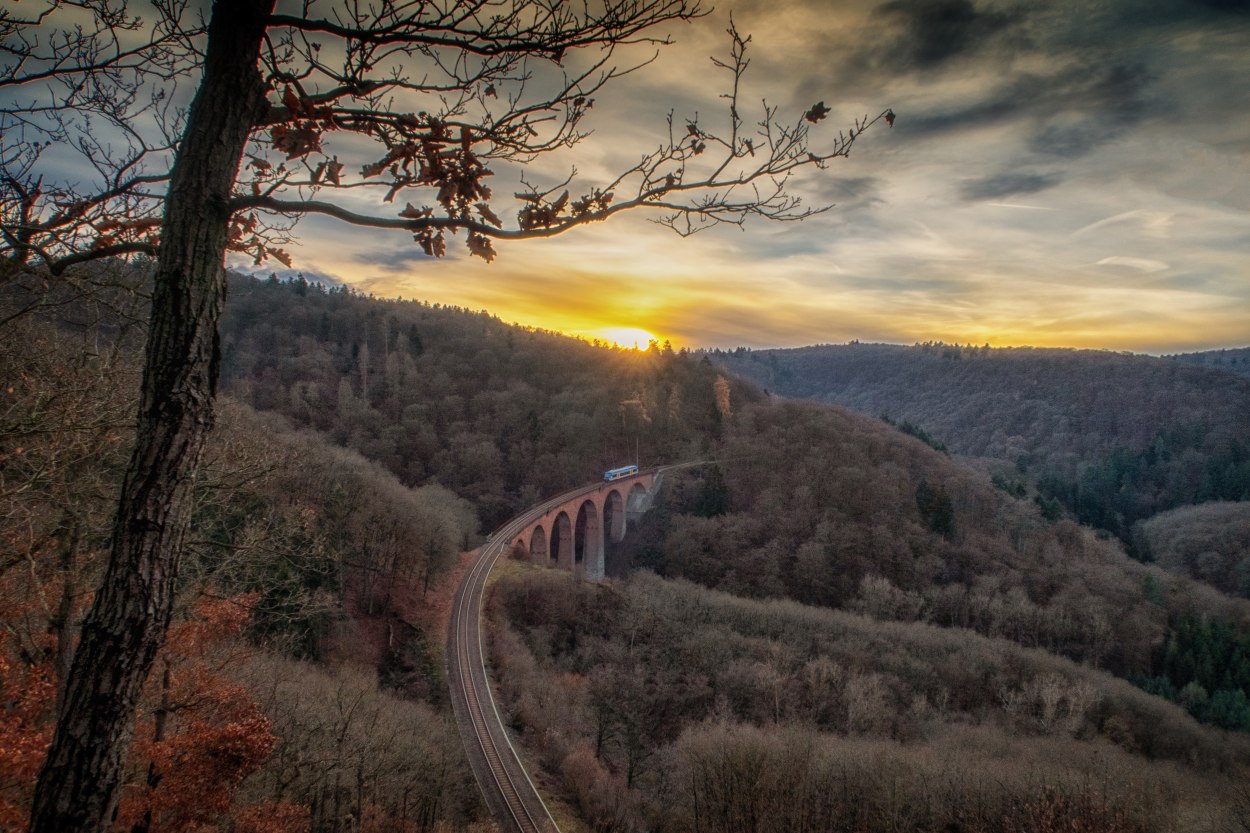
<point x="78" y="786"/>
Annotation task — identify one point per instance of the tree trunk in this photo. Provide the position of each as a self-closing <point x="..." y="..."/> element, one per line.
<point x="78" y="785"/>
<point x="63" y="623"/>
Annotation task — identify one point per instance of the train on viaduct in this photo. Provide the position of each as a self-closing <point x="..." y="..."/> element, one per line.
<point x="573" y="529"/>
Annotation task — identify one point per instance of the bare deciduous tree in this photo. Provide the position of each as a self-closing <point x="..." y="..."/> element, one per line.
<point x="423" y="96"/>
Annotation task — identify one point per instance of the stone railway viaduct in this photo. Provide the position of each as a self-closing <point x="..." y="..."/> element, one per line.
<point x="568" y="532"/>
<point x="572" y="532"/>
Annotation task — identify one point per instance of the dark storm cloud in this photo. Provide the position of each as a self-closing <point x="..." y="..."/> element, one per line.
<point x="856" y="187"/>
<point x="1233" y="6"/>
<point x="919" y="41"/>
<point x="910" y="38"/>
<point x="1008" y="184"/>
<point x="1072" y="112"/>
<point x="1072" y="140"/>
<point x="934" y="31"/>
<point x="1108" y="103"/>
<point x="397" y="259"/>
<point x="1000" y="104"/>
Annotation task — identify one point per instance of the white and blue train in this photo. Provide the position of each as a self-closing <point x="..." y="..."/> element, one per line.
<point x="622" y="472"/>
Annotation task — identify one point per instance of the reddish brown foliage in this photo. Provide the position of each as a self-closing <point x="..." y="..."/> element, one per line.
<point x="27" y="690"/>
<point x="274" y="817"/>
<point x="211" y="736"/>
<point x="1053" y="811"/>
<point x="27" y="693"/>
<point x="205" y="733"/>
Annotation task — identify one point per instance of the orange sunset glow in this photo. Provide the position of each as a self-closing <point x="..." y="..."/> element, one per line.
<point x="758" y="416"/>
<point x="1040" y="197"/>
<point x="632" y="337"/>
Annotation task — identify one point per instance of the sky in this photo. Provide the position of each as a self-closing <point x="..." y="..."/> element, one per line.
<point x="1060" y="174"/>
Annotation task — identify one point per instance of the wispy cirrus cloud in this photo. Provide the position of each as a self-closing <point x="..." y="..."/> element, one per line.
<point x="1140" y="264"/>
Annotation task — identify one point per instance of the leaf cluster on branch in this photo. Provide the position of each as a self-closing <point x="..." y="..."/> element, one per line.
<point x="101" y="159"/>
<point x="367" y="104"/>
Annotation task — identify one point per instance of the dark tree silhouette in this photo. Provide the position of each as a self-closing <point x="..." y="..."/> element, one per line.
<point x="408" y="101"/>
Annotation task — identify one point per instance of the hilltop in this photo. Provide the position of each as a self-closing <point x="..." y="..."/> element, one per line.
<point x="1236" y="360"/>
<point x="501" y="414"/>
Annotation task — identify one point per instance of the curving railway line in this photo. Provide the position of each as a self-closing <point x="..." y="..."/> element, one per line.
<point x="507" y="788"/>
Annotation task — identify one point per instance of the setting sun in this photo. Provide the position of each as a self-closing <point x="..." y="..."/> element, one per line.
<point x="634" y="337"/>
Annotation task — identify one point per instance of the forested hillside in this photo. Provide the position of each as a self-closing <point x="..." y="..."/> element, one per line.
<point x="501" y="414"/>
<point x="1114" y="438"/>
<point x="308" y="608"/>
<point x="836" y="510"/>
<point x="831" y="598"/>
<point x="1209" y="542"/>
<point x="812" y="503"/>
<point x="660" y="705"/>
<point x="1234" y="361"/>
<point x="314" y="594"/>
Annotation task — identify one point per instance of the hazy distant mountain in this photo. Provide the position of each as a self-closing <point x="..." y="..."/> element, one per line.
<point x="1116" y="437"/>
<point x="1004" y="402"/>
<point x="1236" y="360"/>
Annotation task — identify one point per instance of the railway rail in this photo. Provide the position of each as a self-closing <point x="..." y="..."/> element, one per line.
<point x="506" y="786"/>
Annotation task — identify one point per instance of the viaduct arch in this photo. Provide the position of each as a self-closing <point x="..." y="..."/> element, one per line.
<point x="572" y="532"/>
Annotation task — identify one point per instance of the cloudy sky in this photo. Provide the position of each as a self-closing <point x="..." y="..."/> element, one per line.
<point x="1061" y="173"/>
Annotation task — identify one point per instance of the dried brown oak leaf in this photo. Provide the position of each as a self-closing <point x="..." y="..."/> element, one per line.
<point x="818" y="112"/>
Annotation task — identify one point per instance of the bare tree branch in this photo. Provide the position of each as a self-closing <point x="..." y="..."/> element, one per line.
<point x="478" y="99"/>
<point x="106" y="156"/>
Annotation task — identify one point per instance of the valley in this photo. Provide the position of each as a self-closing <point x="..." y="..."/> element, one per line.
<point x="827" y="600"/>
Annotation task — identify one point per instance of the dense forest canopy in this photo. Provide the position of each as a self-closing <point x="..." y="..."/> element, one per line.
<point x="1210" y="542"/>
<point x="662" y="705"/>
<point x="1113" y="438"/>
<point x="830" y="576"/>
<point x="502" y="414"/>
<point x="299" y="552"/>
<point x="811" y="503"/>
<point x="1236" y="360"/>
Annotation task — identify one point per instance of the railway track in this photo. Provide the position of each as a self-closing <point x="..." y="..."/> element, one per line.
<point x="506" y="787"/>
